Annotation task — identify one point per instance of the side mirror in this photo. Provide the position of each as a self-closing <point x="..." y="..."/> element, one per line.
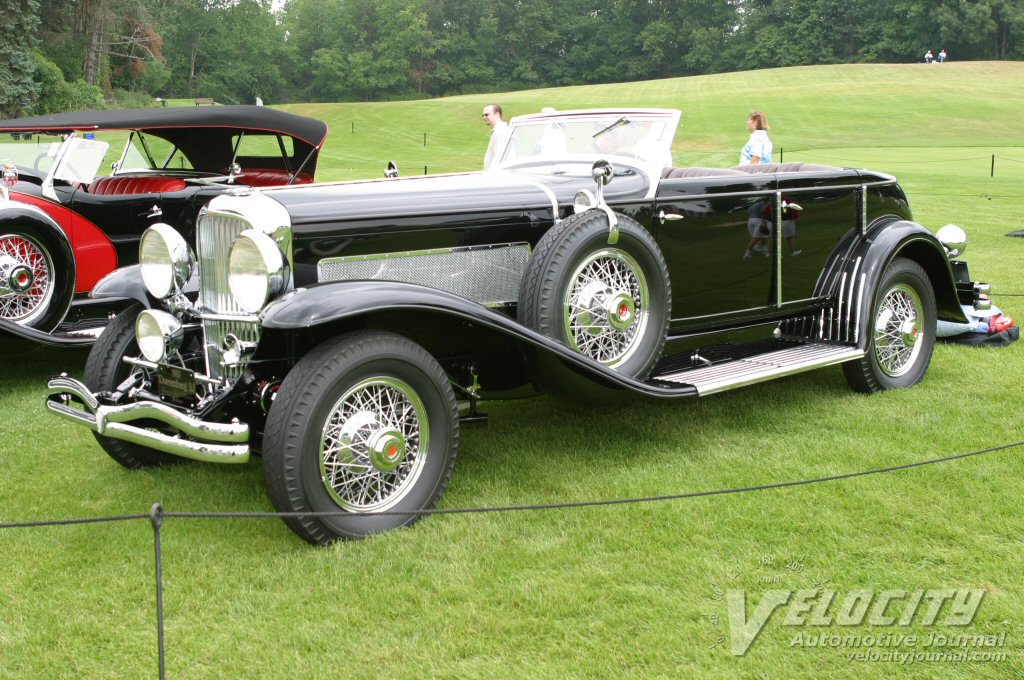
<point x="391" y="171"/>
<point x="602" y="172"/>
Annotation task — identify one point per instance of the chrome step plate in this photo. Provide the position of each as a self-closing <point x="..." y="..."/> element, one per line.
<point x="762" y="367"/>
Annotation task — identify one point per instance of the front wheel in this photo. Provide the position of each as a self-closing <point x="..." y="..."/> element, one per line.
<point x="902" y="331"/>
<point x="37" y="284"/>
<point x="365" y="423"/>
<point x="105" y="371"/>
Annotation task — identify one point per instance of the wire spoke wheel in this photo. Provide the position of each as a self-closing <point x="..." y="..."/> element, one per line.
<point x="606" y="306"/>
<point x="27" y="271"/>
<point x="897" y="327"/>
<point x="374" y="444"/>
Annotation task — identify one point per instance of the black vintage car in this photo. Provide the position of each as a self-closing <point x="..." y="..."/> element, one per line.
<point x="344" y="330"/>
<point x="63" y="227"/>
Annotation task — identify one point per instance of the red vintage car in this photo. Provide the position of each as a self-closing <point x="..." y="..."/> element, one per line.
<point x="65" y="223"/>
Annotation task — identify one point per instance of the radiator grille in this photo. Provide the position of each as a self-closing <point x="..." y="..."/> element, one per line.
<point x="489" y="275"/>
<point x="216" y="233"/>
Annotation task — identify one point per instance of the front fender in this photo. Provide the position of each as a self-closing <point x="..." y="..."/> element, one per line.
<point x="127" y="282"/>
<point x="320" y="308"/>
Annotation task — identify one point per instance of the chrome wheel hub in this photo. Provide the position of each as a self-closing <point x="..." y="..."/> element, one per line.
<point x="25" y="279"/>
<point x="897" y="330"/>
<point x="373" y="446"/>
<point x="606" y="306"/>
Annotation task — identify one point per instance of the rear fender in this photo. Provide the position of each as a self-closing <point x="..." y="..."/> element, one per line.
<point x="883" y="243"/>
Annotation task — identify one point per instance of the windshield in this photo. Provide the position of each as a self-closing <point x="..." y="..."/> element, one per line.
<point x="641" y="136"/>
<point x="29" y="150"/>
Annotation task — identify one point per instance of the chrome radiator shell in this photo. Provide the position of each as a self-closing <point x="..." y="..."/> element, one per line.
<point x="219" y="225"/>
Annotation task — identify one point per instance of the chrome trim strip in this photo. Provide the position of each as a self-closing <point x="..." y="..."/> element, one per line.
<point x="768" y="192"/>
<point x="212" y="442"/>
<point x="860" y="299"/>
<point x="850" y="320"/>
<point x="752" y="370"/>
<point x="247" y="318"/>
<point x="863" y="209"/>
<point x="412" y="253"/>
<point x="778" y="249"/>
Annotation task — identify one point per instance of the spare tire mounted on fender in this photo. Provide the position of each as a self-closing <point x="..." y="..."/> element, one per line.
<point x="608" y="302"/>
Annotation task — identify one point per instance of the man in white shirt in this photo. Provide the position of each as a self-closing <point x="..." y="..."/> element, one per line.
<point x="499" y="133"/>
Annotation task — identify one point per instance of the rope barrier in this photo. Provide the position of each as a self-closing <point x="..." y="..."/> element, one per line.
<point x="157" y="515"/>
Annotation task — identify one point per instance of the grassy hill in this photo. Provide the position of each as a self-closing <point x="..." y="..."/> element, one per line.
<point x="810" y="108"/>
<point x="615" y="591"/>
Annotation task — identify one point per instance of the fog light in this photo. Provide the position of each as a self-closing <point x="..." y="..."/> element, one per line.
<point x="158" y="334"/>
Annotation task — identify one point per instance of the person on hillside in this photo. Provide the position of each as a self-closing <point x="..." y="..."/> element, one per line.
<point x="942" y="55"/>
<point x="499" y="133"/>
<point x="758" y="148"/>
<point x="928" y="58"/>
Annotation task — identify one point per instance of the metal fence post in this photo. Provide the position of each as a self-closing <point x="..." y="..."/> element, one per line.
<point x="992" y="173"/>
<point x="156" y="516"/>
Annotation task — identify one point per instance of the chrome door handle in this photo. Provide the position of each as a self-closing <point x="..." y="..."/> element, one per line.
<point x="664" y="217"/>
<point x="155" y="211"/>
<point x="791" y="206"/>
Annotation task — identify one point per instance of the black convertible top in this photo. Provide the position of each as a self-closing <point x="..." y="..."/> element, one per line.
<point x="309" y="130"/>
<point x="204" y="134"/>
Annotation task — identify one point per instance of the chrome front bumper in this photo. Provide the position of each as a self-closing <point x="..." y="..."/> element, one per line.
<point x="207" y="441"/>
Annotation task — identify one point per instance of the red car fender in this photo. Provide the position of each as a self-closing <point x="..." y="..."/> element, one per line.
<point x="94" y="253"/>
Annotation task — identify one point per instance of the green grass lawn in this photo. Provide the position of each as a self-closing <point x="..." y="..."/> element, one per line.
<point x="633" y="590"/>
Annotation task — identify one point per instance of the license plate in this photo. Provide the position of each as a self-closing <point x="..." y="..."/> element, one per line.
<point x="175" y="381"/>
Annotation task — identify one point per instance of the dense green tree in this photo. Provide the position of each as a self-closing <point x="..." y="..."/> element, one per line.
<point x="18" y="88"/>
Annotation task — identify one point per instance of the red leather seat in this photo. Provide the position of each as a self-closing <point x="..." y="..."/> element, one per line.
<point x="122" y="185"/>
<point x="270" y="177"/>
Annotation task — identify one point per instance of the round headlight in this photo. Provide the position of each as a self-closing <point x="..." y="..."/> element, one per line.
<point x="256" y="270"/>
<point x="158" y="334"/>
<point x="166" y="260"/>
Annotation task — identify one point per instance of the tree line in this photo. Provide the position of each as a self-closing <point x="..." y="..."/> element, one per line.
<point x="73" y="54"/>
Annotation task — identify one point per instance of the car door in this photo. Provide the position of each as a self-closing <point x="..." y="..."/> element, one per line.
<point x="818" y="207"/>
<point x="713" y="235"/>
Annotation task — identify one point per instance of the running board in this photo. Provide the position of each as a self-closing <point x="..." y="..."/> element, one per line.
<point x="741" y="372"/>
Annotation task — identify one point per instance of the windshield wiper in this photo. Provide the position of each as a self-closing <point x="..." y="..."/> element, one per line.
<point x="620" y="121"/>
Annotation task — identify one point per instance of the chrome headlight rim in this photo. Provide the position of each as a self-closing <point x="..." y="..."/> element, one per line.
<point x="165" y="260"/>
<point x="257" y="270"/>
<point x="158" y="334"/>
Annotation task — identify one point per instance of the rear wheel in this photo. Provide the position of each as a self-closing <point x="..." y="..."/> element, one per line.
<point x="105" y="370"/>
<point x="902" y="331"/>
<point x="365" y="423"/>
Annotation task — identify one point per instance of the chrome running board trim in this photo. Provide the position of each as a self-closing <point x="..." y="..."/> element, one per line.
<point x="211" y="442"/>
<point x="759" y="368"/>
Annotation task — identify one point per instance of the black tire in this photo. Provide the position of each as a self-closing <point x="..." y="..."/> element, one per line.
<point x="104" y="371"/>
<point x="901" y="331"/>
<point x="43" y="282"/>
<point x="561" y="292"/>
<point x="359" y="382"/>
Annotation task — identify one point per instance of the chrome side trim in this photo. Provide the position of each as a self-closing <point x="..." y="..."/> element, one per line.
<point x="863" y="209"/>
<point x="769" y="192"/>
<point x="763" y="367"/>
<point x="211" y="442"/>
<point x="778" y="249"/>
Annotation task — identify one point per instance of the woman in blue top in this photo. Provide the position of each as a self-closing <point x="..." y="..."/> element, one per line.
<point x="758" y="148"/>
